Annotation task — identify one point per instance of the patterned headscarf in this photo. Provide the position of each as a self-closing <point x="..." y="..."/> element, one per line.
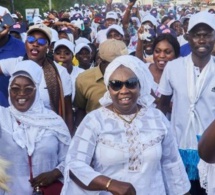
<point x="140" y="70"/>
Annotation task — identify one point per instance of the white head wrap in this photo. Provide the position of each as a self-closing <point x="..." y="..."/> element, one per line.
<point x="140" y="70"/>
<point x="37" y="119"/>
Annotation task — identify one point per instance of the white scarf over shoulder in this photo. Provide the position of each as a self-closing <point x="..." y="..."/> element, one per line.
<point x="195" y="88"/>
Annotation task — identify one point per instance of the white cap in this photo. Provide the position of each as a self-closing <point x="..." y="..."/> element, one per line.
<point x="112" y="15"/>
<point x="115" y="27"/>
<point x="37" y="20"/>
<point x="81" y="46"/>
<point x="66" y="43"/>
<point x="188" y="16"/>
<point x="150" y="18"/>
<point x="14" y="16"/>
<point x="54" y="35"/>
<point x="202" y="17"/>
<point x="171" y="22"/>
<point x="76" y="5"/>
<point x="82" y="40"/>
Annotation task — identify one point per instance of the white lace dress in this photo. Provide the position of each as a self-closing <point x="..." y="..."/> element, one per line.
<point x="143" y="153"/>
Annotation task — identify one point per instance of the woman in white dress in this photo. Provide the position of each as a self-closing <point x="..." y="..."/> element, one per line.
<point x="29" y="130"/>
<point x="125" y="147"/>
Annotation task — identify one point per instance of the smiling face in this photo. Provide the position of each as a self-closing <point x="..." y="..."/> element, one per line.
<point x="35" y="51"/>
<point x="201" y="39"/>
<point x="147" y="47"/>
<point x="124" y="100"/>
<point x="163" y="53"/>
<point x="22" y="93"/>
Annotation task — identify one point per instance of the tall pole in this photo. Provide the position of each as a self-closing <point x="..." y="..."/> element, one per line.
<point x="12" y="6"/>
<point x="50" y="4"/>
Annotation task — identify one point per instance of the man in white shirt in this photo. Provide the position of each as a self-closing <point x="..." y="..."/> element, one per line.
<point x="191" y="82"/>
<point x="110" y="19"/>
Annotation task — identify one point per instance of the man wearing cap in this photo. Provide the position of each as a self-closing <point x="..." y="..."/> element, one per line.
<point x="55" y="87"/>
<point x="76" y="10"/>
<point x="190" y="82"/>
<point x="8" y="49"/>
<point x="115" y="32"/>
<point x="90" y="85"/>
<point x="110" y="19"/>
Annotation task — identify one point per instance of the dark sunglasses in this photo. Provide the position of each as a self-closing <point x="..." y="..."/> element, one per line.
<point x="26" y="91"/>
<point x="40" y="41"/>
<point x="116" y="85"/>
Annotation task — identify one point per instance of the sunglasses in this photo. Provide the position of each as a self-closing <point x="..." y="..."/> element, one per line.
<point x="116" y="85"/>
<point x="26" y="91"/>
<point x="40" y="41"/>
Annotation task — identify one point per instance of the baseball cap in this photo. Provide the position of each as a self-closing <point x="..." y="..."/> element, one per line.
<point x="80" y="46"/>
<point x="150" y="18"/>
<point x="201" y="17"/>
<point x="76" y="16"/>
<point x="164" y="29"/>
<point x="86" y="20"/>
<point x="66" y="43"/>
<point x="42" y="28"/>
<point x="18" y="27"/>
<point x="112" y="15"/>
<point x="82" y="40"/>
<point x="185" y="17"/>
<point x="171" y="22"/>
<point x="76" y="5"/>
<point x="112" y="48"/>
<point x="14" y="16"/>
<point x="54" y="35"/>
<point x="37" y="20"/>
<point x="115" y="27"/>
<point x="154" y="12"/>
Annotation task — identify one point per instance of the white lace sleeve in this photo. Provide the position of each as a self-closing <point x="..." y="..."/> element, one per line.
<point x="207" y="176"/>
<point x="82" y="149"/>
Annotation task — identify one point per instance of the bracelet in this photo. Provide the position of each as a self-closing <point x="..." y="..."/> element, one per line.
<point x="108" y="184"/>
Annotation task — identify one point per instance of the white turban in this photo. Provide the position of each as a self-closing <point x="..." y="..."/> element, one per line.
<point x="140" y="70"/>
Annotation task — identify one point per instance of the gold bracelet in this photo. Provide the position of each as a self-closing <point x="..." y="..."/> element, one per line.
<point x="108" y="184"/>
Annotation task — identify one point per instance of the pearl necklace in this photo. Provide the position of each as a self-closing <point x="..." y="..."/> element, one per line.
<point x="120" y="116"/>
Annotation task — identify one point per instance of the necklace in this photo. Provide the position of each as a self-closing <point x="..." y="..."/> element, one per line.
<point x="120" y="116"/>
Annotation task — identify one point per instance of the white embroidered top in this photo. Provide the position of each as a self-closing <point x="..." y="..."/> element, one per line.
<point x="143" y="153"/>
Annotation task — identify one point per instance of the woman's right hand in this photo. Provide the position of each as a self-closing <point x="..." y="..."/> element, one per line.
<point x="121" y="188"/>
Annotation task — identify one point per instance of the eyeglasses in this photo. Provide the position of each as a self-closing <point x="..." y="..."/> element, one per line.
<point x="116" y="85"/>
<point x="40" y="41"/>
<point x="26" y="91"/>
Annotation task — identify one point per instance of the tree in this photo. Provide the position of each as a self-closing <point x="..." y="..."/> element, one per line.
<point x="43" y="5"/>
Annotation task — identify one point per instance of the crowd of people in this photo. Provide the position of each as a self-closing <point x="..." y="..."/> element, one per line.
<point x="108" y="99"/>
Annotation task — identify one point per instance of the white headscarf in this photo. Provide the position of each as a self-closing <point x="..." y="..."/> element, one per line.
<point x="37" y="119"/>
<point x="140" y="70"/>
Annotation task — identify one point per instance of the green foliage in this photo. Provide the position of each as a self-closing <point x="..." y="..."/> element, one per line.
<point x="43" y="5"/>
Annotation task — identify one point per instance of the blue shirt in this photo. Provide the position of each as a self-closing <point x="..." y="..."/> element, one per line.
<point x="13" y="48"/>
<point x="185" y="50"/>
